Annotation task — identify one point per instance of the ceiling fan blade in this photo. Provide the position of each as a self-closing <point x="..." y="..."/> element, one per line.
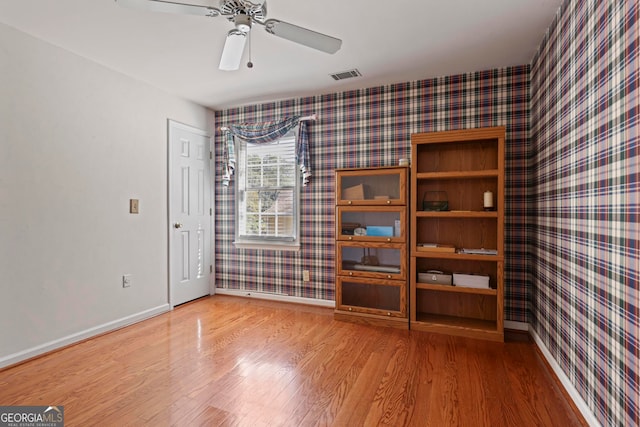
<point x="303" y="36"/>
<point x="232" y="52"/>
<point x="169" y="7"/>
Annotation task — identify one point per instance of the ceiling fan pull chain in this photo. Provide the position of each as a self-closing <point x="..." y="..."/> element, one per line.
<point x="249" y="64"/>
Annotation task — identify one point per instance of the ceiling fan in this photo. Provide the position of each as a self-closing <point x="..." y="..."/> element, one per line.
<point x="243" y="14"/>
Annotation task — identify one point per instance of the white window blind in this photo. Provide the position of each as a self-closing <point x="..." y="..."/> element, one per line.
<point x="267" y="192"/>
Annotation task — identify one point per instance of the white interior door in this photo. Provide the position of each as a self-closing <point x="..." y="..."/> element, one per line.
<point x="189" y="213"/>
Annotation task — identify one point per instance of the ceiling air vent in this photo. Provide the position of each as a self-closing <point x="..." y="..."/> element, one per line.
<point x="346" y="74"/>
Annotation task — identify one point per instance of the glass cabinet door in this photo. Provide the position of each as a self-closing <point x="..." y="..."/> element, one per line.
<point x="382" y="186"/>
<point x="361" y="259"/>
<point x="383" y="297"/>
<point x="371" y="223"/>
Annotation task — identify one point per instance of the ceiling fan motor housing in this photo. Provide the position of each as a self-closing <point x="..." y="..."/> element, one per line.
<point x="243" y="12"/>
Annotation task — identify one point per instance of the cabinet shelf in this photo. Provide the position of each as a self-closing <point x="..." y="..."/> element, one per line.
<point x="456" y="214"/>
<point x="489" y="173"/>
<point x="456" y="256"/>
<point x="454" y="289"/>
<point x="460" y="322"/>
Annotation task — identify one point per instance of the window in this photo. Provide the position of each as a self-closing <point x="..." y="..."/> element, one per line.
<point x="267" y="194"/>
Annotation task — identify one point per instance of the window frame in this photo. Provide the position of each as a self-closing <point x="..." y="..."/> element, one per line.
<point x="288" y="243"/>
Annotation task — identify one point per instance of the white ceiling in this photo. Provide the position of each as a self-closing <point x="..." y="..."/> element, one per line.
<point x="388" y="42"/>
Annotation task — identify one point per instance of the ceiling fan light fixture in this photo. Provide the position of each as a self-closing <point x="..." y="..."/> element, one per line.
<point x="232" y="52"/>
<point x="243" y="22"/>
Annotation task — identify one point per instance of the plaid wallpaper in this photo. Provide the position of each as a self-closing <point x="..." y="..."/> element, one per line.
<point x="585" y="96"/>
<point x="367" y="128"/>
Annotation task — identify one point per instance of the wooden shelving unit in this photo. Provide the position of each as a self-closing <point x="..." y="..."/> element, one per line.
<point x="371" y="246"/>
<point x="462" y="165"/>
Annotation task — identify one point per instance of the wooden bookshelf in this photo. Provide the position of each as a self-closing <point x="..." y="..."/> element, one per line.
<point x="462" y="164"/>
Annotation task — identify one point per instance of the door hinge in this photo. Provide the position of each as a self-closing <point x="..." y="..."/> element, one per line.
<point x="210" y="154"/>
<point x="210" y="211"/>
<point x="211" y="269"/>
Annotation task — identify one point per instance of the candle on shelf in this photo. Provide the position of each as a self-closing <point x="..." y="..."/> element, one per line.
<point x="488" y="201"/>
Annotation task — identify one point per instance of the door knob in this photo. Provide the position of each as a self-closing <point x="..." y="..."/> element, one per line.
<point x="177" y="225"/>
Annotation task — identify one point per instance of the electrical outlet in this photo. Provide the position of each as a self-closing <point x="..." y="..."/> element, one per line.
<point x="126" y="280"/>
<point x="133" y="206"/>
<point x="305" y="275"/>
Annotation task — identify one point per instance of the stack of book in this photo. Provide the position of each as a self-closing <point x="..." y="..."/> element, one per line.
<point x="435" y="247"/>
<point x="480" y="251"/>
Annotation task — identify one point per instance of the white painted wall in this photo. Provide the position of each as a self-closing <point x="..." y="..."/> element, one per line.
<point x="77" y="142"/>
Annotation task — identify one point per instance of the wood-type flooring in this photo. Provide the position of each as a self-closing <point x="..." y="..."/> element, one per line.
<point x="229" y="361"/>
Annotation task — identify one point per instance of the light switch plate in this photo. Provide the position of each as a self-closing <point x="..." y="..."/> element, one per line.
<point x="133" y="206"/>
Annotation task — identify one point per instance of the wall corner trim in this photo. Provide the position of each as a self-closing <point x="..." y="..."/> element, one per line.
<point x="566" y="383"/>
<point x="68" y="340"/>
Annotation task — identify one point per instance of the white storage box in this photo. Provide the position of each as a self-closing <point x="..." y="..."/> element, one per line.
<point x="471" y="280"/>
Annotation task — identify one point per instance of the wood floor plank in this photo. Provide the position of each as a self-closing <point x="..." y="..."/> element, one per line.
<point x="358" y="402"/>
<point x="389" y="404"/>
<point x="420" y="384"/>
<point x="352" y="360"/>
<point x="228" y="361"/>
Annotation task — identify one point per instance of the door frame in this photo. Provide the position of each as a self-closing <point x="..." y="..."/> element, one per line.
<point x="173" y="124"/>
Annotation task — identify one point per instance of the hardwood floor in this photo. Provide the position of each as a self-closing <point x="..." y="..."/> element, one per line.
<point x="227" y="361"/>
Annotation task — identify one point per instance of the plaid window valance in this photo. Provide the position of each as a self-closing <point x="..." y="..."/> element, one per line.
<point x="266" y="132"/>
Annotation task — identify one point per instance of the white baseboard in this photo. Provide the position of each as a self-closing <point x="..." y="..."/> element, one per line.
<point x="516" y="326"/>
<point x="82" y="335"/>
<point x="566" y="383"/>
<point x="276" y="297"/>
